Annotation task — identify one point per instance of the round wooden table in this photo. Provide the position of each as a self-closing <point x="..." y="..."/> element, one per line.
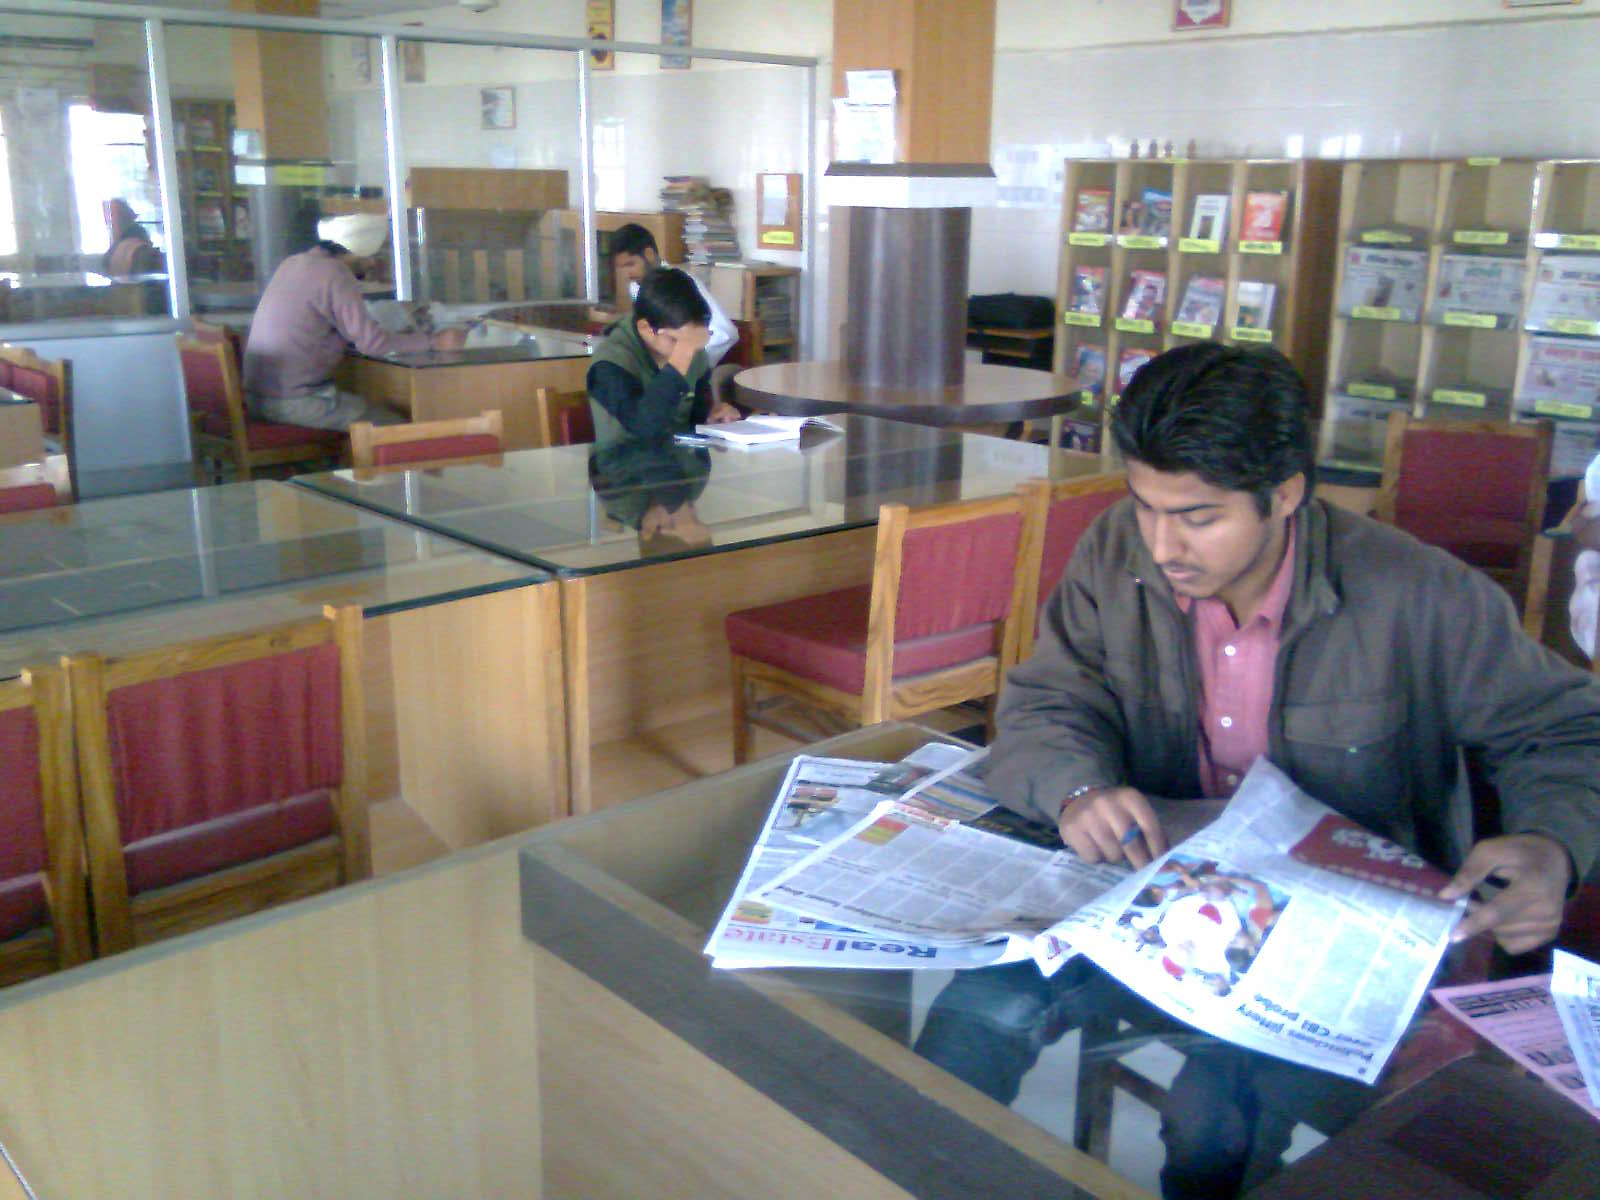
<point x="990" y="395"/>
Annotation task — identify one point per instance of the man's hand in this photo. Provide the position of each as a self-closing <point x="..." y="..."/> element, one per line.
<point x="1113" y="823"/>
<point x="1527" y="912"/>
<point x="722" y="414"/>
<point x="449" y="339"/>
<point x="687" y="340"/>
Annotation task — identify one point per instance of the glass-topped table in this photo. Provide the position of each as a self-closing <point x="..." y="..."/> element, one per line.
<point x="655" y="545"/>
<point x="120" y="575"/>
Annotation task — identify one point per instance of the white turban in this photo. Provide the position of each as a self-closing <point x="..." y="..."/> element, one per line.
<point x="363" y="234"/>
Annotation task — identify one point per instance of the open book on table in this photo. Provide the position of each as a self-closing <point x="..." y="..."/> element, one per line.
<point x="1279" y="925"/>
<point x="753" y="431"/>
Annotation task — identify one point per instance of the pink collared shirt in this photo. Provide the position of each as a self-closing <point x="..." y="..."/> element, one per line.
<point x="1237" y="670"/>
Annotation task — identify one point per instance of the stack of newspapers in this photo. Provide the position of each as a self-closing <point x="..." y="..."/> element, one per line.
<point x="1272" y="922"/>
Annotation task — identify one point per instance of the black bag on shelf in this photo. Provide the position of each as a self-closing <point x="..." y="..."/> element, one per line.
<point x="1010" y="310"/>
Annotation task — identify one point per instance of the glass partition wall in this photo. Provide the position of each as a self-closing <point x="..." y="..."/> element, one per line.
<point x="510" y="159"/>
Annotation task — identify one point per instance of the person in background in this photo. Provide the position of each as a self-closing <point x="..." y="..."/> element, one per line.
<point x="634" y="253"/>
<point x="311" y="314"/>
<point x="1584" y="608"/>
<point x="130" y="252"/>
<point x="649" y="378"/>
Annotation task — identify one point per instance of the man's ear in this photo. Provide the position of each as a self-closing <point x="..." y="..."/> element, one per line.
<point x="1289" y="495"/>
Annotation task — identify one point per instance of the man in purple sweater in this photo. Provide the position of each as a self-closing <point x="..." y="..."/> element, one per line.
<point x="311" y="313"/>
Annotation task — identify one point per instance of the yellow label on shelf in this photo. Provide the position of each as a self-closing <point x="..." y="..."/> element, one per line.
<point x="1387" y="237"/>
<point x="1260" y="247"/>
<point x="298" y="175"/>
<point x="1245" y="333"/>
<point x="1480" y="237"/>
<point x="1135" y="325"/>
<point x="1464" y="399"/>
<point x="1367" y="312"/>
<point x="1192" y="329"/>
<point x="1371" y="391"/>
<point x="1086" y="396"/>
<point x="1199" y="246"/>
<point x="1560" y="408"/>
<point x="1088" y="239"/>
<point x="1140" y="241"/>
<point x="1573" y="325"/>
<point x="1115" y="397"/>
<point x="1471" y="320"/>
<point x="778" y="237"/>
<point x="1087" y="320"/>
<point x="1483" y="161"/>
<point x="1577" y="241"/>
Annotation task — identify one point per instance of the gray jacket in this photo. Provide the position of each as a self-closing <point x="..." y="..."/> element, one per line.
<point x="1393" y="657"/>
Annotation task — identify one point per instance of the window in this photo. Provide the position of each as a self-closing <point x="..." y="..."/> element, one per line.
<point x="110" y="162"/>
<point x="8" y="220"/>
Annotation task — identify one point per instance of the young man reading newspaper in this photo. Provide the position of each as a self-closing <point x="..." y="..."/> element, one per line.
<point x="1217" y="614"/>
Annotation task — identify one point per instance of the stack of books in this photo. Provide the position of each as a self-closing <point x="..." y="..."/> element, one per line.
<point x="708" y="235"/>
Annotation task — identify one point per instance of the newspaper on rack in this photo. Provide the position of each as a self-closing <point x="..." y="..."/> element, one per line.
<point x="820" y="799"/>
<point x="1237" y="930"/>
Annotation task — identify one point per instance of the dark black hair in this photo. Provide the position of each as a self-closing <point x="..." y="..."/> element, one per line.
<point x="669" y="299"/>
<point x="302" y="231"/>
<point x="633" y="239"/>
<point x="1237" y="417"/>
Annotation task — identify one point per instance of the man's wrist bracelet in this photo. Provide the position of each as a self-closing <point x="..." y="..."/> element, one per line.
<point x="1078" y="793"/>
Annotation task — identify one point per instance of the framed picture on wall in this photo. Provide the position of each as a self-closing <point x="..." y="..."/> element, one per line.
<point x="600" y="19"/>
<point x="361" y="60"/>
<point x="413" y="62"/>
<point x="677" y="28"/>
<point x="1200" y="14"/>
<point x="499" y="106"/>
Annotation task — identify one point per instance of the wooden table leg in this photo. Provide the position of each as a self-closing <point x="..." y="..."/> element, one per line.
<point x="575" y="652"/>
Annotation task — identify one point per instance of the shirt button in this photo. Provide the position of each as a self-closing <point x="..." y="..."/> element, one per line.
<point x="1230" y="651"/>
<point x="1232" y="779"/>
<point x="1226" y="722"/>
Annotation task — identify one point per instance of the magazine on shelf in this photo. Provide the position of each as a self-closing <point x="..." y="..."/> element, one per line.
<point x="1128" y="364"/>
<point x="1237" y="930"/>
<point x="1472" y="285"/>
<point x="1383" y="284"/>
<point x="753" y="431"/>
<point x="1088" y="291"/>
<point x="1566" y="295"/>
<point x="1264" y="213"/>
<point x="1092" y="213"/>
<point x="1209" y="221"/>
<point x="1253" y="304"/>
<point x="1561" y="372"/>
<point x="1202" y="300"/>
<point x="1147" y="292"/>
<point x="1157" y="212"/>
<point x="1089" y="366"/>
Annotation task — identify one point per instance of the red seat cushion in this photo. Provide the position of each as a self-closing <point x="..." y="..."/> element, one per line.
<point x="22" y="847"/>
<point x="264" y="435"/>
<point x="1484" y="542"/>
<point x="26" y="497"/>
<point x="576" y="424"/>
<point x="466" y="445"/>
<point x="226" y="841"/>
<point x="824" y="638"/>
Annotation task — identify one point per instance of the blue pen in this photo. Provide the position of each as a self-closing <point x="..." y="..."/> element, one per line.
<point x="1133" y="835"/>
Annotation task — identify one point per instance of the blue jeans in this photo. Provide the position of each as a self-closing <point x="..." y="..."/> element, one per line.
<point x="1228" y="1116"/>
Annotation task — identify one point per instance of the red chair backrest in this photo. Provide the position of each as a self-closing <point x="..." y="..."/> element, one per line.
<point x="1067" y="521"/>
<point x="462" y="445"/>
<point x="956" y="576"/>
<point x="575" y="424"/>
<point x="27" y="497"/>
<point x="200" y="745"/>
<point x="44" y="389"/>
<point x="22" y="845"/>
<point x="1467" y="492"/>
<point x="205" y="383"/>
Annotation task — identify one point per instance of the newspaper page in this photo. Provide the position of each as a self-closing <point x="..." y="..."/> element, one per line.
<point x="819" y="798"/>
<point x="1519" y="1017"/>
<point x="1575" y="984"/>
<point x="1234" y="935"/>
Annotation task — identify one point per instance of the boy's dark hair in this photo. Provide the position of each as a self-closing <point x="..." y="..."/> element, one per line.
<point x="669" y="299"/>
<point x="1238" y="418"/>
<point x="633" y="239"/>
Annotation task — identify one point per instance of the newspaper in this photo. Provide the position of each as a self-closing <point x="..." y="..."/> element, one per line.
<point x="1386" y="284"/>
<point x="1575" y="984"/>
<point x="1474" y="284"/>
<point x="1234" y="933"/>
<point x="1519" y="1016"/>
<point x="820" y="798"/>
<point x="1565" y="291"/>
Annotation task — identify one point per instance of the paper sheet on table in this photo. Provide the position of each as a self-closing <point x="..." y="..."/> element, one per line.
<point x="1575" y="984"/>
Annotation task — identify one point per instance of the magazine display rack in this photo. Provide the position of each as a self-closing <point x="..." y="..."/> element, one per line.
<point x="1159" y="252"/>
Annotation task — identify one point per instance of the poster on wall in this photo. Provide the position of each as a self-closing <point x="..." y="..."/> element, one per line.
<point x="1200" y="14"/>
<point x="499" y="107"/>
<point x="413" y="62"/>
<point x="361" y="60"/>
<point x="600" y="18"/>
<point x="677" y="24"/>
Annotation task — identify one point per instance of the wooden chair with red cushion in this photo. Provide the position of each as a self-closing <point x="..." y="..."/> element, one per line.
<point x="427" y="443"/>
<point x="939" y="624"/>
<point x="1474" y="488"/>
<point x="1066" y="509"/>
<point x="48" y="383"/>
<point x="748" y="350"/>
<point x="575" y="425"/>
<point x="44" y="901"/>
<point x="225" y="432"/>
<point x="221" y="776"/>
